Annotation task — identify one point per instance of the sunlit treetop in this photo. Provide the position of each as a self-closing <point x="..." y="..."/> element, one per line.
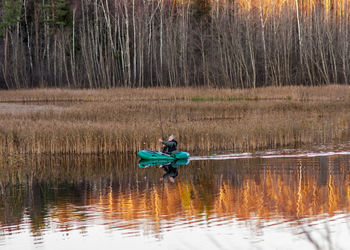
<point x="337" y="7"/>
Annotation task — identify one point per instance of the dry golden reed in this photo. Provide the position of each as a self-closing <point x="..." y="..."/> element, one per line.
<point x="127" y="120"/>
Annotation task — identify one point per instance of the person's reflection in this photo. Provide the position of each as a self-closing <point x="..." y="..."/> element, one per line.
<point x="170" y="171"/>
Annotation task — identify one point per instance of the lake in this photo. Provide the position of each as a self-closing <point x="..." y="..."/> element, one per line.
<point x="268" y="200"/>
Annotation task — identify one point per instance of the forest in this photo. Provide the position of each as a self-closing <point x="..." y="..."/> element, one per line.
<point x="173" y="43"/>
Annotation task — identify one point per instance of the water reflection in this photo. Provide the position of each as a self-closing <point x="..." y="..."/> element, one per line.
<point x="65" y="194"/>
<point x="170" y="168"/>
<point x="170" y="171"/>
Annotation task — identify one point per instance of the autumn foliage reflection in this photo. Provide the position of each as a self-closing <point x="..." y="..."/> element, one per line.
<point x="205" y="193"/>
<point x="269" y="195"/>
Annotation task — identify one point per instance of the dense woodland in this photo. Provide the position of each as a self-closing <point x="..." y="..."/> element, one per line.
<point x="145" y="43"/>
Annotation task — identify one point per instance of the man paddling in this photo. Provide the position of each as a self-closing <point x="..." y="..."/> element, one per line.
<point x="170" y="146"/>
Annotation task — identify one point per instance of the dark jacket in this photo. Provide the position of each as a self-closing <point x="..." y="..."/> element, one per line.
<point x="170" y="147"/>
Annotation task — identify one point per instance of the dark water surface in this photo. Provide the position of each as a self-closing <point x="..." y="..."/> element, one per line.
<point x="86" y="202"/>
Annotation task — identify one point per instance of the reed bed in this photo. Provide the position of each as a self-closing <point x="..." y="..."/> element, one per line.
<point x="127" y="120"/>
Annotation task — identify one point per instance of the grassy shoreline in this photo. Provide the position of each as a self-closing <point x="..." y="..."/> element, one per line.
<point x="127" y="120"/>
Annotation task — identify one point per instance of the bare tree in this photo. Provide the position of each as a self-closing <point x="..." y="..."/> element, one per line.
<point x="236" y="43"/>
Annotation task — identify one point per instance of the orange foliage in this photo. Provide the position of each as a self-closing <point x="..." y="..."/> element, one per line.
<point x="337" y="7"/>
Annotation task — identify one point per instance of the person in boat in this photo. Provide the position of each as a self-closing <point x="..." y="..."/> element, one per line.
<point x="170" y="171"/>
<point x="170" y="146"/>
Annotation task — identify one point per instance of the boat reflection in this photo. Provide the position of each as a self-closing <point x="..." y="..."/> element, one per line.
<point x="170" y="168"/>
<point x="149" y="163"/>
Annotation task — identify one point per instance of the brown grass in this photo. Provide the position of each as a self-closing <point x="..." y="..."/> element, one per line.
<point x="127" y="120"/>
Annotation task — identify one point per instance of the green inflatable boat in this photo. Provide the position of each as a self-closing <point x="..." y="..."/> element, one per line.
<point x="156" y="155"/>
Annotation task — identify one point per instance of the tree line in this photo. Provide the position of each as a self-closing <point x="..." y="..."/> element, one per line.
<point x="146" y="43"/>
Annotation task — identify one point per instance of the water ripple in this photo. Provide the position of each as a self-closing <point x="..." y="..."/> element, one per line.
<point x="266" y="155"/>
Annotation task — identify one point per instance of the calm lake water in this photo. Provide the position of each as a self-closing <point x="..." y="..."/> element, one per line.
<point x="234" y="201"/>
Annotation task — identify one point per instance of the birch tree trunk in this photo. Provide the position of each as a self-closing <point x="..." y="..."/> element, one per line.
<point x="54" y="43"/>
<point x="263" y="39"/>
<point x="127" y="46"/>
<point x="5" y="56"/>
<point x="299" y="32"/>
